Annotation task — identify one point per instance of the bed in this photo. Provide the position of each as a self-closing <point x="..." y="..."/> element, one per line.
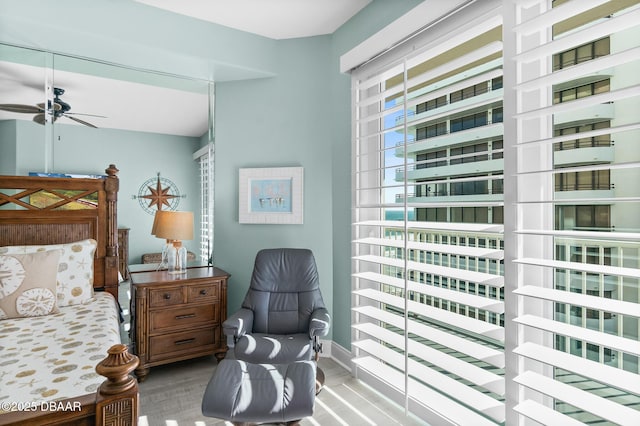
<point x="61" y="360"/>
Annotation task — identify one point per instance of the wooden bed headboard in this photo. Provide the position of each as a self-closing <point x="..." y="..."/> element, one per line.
<point x="54" y="210"/>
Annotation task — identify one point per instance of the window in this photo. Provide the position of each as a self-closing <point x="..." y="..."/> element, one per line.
<point x="586" y="217"/>
<point x="582" y="91"/>
<point x="580" y="54"/>
<point x="431" y="104"/>
<point x="569" y="232"/>
<point x="469" y="122"/>
<point x="453" y="304"/>
<point x="564" y="253"/>
<point x="431" y="131"/>
<point x="583" y="181"/>
<point x="599" y="138"/>
<point x="469" y="92"/>
<point x="567" y="254"/>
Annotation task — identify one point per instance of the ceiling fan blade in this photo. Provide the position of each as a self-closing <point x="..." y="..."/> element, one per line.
<point x="80" y="121"/>
<point x="87" y="115"/>
<point x="29" y="109"/>
<point x="39" y="118"/>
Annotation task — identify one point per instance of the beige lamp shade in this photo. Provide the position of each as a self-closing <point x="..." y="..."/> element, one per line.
<point x="173" y="225"/>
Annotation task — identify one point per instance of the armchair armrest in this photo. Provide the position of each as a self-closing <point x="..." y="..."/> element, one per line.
<point x="238" y="323"/>
<point x="319" y="323"/>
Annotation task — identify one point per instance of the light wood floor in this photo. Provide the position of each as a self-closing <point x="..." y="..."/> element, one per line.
<point x="172" y="395"/>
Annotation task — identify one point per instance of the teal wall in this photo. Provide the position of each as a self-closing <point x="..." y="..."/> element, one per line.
<point x="7" y="147"/>
<point x="278" y="103"/>
<point x="276" y="122"/>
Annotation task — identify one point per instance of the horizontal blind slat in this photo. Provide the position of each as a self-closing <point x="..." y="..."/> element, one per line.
<point x="439" y="226"/>
<point x="446" y="385"/>
<point x="602" y="373"/>
<point x="584" y="400"/>
<point x="593" y="32"/>
<point x="457" y="343"/>
<point x="459" y="274"/>
<point x="446" y="317"/>
<point x="544" y="415"/>
<point x="593" y="302"/>
<point x="471" y="300"/>
<point x="436" y="248"/>
<point x="445" y="407"/>
<point x="582" y="267"/>
<point x="589" y="235"/>
<point x="580" y="333"/>
<point x="555" y="15"/>
<point x="601" y="98"/>
<point x="448" y="363"/>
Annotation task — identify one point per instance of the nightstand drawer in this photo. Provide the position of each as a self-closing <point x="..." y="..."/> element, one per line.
<point x="165" y="297"/>
<point x="187" y="341"/>
<point x="204" y="292"/>
<point x="183" y="317"/>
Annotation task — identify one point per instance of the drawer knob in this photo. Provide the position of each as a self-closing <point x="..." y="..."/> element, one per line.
<point x="203" y="292"/>
<point x="167" y="296"/>
<point x="184" y="342"/>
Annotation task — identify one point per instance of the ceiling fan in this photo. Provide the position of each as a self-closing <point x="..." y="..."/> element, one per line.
<point x="59" y="109"/>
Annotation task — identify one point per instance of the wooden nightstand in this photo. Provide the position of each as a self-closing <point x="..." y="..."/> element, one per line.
<point x="177" y="317"/>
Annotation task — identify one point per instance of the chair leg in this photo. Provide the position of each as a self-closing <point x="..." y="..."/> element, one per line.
<point x="319" y="379"/>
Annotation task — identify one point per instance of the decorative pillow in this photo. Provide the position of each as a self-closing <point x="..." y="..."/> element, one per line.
<point x="28" y="284"/>
<point x="75" y="271"/>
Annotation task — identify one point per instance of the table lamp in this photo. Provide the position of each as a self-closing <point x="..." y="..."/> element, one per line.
<point x="174" y="226"/>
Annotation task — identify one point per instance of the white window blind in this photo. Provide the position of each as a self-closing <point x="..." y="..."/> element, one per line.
<point x="205" y="158"/>
<point x="496" y="227"/>
<point x="428" y="280"/>
<point x="576" y="268"/>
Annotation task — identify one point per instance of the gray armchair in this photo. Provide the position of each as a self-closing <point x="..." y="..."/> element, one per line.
<point x="283" y="315"/>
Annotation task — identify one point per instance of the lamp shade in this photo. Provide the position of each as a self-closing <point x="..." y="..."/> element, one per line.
<point x="173" y="225"/>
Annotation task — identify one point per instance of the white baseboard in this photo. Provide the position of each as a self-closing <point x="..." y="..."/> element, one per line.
<point x="341" y="355"/>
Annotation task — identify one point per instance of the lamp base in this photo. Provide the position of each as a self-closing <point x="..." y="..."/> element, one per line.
<point x="177" y="258"/>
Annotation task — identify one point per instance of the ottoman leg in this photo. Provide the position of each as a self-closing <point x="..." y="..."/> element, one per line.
<point x="319" y="379"/>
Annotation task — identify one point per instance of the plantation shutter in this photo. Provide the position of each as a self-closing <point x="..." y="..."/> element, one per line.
<point x="428" y="280"/>
<point x="576" y="267"/>
<point x="205" y="158"/>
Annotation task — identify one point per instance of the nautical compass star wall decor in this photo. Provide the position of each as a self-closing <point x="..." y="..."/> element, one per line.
<point x="158" y="193"/>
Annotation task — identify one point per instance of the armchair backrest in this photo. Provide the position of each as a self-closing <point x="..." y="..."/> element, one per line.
<point x="284" y="291"/>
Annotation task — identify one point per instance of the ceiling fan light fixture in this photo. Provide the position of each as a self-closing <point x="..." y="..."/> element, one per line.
<point x="56" y="109"/>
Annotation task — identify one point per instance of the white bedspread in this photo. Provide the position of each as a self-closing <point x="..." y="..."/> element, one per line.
<point x="54" y="356"/>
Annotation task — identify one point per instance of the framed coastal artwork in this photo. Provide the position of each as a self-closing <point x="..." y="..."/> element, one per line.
<point x="271" y="195"/>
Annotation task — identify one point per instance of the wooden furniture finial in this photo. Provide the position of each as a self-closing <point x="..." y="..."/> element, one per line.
<point x="117" y="368"/>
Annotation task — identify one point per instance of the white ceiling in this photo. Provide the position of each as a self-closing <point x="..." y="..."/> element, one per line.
<point x="277" y="19"/>
<point x="138" y="107"/>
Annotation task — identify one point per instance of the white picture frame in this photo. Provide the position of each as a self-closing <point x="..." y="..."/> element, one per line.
<point x="271" y="195"/>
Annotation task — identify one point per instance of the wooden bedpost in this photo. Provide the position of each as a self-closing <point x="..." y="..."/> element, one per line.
<point x="112" y="184"/>
<point x="117" y="398"/>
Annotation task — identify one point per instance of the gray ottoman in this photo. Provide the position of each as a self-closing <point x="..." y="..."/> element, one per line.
<point x="260" y="393"/>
